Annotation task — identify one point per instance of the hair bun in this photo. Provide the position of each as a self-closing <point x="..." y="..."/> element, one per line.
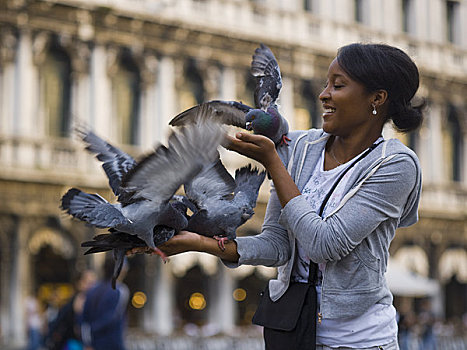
<point x="408" y="117"/>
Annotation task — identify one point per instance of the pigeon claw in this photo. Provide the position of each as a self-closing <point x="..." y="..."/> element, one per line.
<point x="285" y="140"/>
<point x="157" y="251"/>
<point x="221" y="242"/>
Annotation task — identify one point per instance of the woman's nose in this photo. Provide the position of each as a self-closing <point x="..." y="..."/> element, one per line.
<point x="324" y="95"/>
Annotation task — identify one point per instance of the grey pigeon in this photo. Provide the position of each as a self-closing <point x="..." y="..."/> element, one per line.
<point x="144" y="189"/>
<point x="265" y="118"/>
<point x="219" y="203"/>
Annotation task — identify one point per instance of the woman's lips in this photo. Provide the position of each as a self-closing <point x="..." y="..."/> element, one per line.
<point x="328" y="111"/>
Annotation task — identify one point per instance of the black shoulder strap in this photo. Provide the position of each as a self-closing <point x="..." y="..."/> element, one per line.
<point x="313" y="270"/>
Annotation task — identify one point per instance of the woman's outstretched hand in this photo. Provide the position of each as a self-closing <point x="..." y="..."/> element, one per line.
<point x="182" y="242"/>
<point x="186" y="241"/>
<point x="257" y="147"/>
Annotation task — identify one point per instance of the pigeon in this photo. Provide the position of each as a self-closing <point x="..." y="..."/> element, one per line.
<point x="265" y="118"/>
<point x="220" y="203"/>
<point x="144" y="188"/>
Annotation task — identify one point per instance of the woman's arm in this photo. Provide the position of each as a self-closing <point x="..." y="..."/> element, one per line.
<point x="381" y="200"/>
<point x="186" y="241"/>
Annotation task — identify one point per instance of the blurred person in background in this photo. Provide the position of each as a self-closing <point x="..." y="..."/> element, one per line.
<point x="35" y="320"/>
<point x="406" y="322"/>
<point x="53" y="303"/>
<point x="426" y="320"/>
<point x="104" y="314"/>
<point x="65" y="331"/>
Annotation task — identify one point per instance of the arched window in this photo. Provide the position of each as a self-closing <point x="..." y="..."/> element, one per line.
<point x="126" y="92"/>
<point x="309" y="99"/>
<point x="306" y="110"/>
<point x="195" y="81"/>
<point x="191" y="90"/>
<point x="55" y="81"/>
<point x="453" y="144"/>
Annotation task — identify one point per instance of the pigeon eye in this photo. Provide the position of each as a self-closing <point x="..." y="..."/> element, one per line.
<point x="252" y="117"/>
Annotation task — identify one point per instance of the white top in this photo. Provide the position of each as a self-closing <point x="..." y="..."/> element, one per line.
<point x="377" y="326"/>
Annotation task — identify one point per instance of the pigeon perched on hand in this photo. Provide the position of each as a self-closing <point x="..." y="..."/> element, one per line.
<point x="265" y="118"/>
<point x="144" y="189"/>
<point x="219" y="203"/>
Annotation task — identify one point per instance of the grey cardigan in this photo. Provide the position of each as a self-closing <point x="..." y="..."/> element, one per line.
<point x="382" y="194"/>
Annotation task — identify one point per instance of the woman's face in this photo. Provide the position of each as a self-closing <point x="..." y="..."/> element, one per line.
<point x="346" y="103"/>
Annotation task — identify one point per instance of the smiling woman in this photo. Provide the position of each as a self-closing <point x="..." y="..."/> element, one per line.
<point x="339" y="194"/>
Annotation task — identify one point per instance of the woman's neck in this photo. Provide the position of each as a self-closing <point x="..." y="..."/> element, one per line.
<point x="340" y="150"/>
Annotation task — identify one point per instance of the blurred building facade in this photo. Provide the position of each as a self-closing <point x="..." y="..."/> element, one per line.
<point x="125" y="67"/>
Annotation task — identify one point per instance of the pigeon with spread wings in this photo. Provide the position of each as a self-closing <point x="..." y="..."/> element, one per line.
<point x="220" y="203"/>
<point x="144" y="189"/>
<point x="265" y="118"/>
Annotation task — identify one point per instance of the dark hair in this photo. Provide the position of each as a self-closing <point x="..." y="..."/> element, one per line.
<point x="379" y="66"/>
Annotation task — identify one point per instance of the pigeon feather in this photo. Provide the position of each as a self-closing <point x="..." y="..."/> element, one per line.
<point x="115" y="162"/>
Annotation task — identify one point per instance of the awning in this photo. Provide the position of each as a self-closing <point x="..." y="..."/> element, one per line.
<point x="403" y="282"/>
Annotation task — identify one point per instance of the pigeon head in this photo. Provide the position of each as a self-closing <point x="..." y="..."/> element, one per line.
<point x="261" y="122"/>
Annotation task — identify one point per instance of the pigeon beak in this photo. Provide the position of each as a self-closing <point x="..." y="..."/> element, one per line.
<point x="248" y="126"/>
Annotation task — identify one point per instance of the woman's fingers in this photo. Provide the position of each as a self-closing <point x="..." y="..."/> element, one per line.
<point x="254" y="146"/>
<point x="138" y="250"/>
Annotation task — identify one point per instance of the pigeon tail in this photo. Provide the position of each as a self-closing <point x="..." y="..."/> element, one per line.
<point x="119" y="257"/>
<point x="249" y="179"/>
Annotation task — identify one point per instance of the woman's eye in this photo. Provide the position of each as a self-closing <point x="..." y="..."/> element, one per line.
<point x="338" y="86"/>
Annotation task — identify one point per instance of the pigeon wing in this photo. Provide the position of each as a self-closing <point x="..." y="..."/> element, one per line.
<point x="226" y="112"/>
<point x="249" y="180"/>
<point x="115" y="162"/>
<point x="158" y="176"/>
<point x="265" y="68"/>
<point x="214" y="182"/>
<point x="92" y="209"/>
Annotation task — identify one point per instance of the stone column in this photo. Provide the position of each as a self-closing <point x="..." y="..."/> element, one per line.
<point x="166" y="104"/>
<point x="25" y="100"/>
<point x="159" y="315"/>
<point x="222" y="308"/>
<point x="435" y="145"/>
<point x="100" y="92"/>
<point x="80" y="55"/>
<point x="7" y="80"/>
<point x="26" y="92"/>
<point x="19" y="273"/>
<point x="148" y="122"/>
<point x="227" y="84"/>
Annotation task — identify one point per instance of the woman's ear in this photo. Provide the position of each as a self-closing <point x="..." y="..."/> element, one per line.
<point x="379" y="98"/>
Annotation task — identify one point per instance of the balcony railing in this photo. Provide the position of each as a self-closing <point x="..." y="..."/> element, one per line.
<point x="48" y="160"/>
<point x="247" y="19"/>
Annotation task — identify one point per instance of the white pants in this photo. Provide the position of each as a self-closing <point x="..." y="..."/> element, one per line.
<point x="390" y="346"/>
